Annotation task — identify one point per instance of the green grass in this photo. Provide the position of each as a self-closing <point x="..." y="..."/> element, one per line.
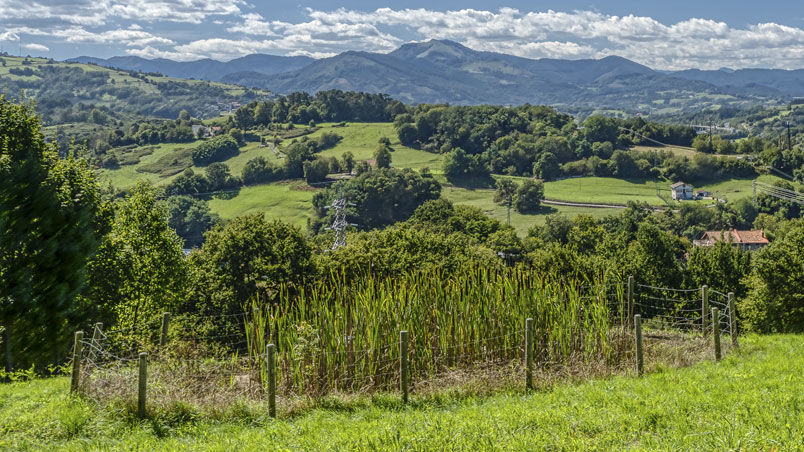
<point x="750" y="401"/>
<point x="484" y="200"/>
<point x="362" y="139"/>
<point x="293" y="205"/>
<point x="606" y="190"/>
<point x="289" y="201"/>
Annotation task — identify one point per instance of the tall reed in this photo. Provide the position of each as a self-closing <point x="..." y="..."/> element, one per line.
<point x="344" y="335"/>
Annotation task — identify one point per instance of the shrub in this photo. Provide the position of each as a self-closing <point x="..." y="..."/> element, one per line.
<point x="529" y="196"/>
<point x="215" y="150"/>
<point x="259" y="171"/>
<point x="775" y="301"/>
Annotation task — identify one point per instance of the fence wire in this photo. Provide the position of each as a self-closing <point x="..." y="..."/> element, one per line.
<point x="216" y="367"/>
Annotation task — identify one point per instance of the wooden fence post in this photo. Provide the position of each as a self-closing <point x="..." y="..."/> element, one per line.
<point x="143" y="384"/>
<point x="733" y="320"/>
<point x="403" y="364"/>
<point x="639" y="358"/>
<point x="76" y="377"/>
<point x="704" y="309"/>
<point x="529" y="353"/>
<point x="97" y="332"/>
<point x="165" y="324"/>
<point x="630" y="311"/>
<point x="716" y="331"/>
<point x="271" y="362"/>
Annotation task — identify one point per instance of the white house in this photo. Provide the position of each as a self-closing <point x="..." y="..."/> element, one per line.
<point x="681" y="191"/>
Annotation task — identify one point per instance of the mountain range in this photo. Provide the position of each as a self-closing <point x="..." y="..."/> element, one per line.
<point x="441" y="71"/>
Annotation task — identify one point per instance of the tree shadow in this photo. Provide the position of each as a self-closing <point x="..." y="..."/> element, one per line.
<point x="541" y="210"/>
<point x="473" y="182"/>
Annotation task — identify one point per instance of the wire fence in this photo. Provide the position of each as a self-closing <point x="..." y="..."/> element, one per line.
<point x="213" y="367"/>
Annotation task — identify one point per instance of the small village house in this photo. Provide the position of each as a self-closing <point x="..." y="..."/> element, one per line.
<point x="747" y="240"/>
<point x="681" y="191"/>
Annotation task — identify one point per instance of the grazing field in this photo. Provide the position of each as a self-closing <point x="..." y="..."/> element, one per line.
<point x="484" y="199"/>
<point x="749" y="401"/>
<point x="289" y="201"/>
<point x="362" y="139"/>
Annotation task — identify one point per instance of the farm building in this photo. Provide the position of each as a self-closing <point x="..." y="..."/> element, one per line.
<point x="681" y="191"/>
<point x="747" y="240"/>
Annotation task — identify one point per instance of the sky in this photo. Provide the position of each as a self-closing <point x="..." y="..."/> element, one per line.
<point x="667" y="35"/>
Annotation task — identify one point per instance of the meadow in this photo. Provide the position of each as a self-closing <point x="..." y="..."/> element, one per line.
<point x="291" y="200"/>
<point x="749" y="401"/>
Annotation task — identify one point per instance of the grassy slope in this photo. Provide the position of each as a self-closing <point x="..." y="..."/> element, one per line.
<point x="619" y="191"/>
<point x="287" y="202"/>
<point x="751" y="401"/>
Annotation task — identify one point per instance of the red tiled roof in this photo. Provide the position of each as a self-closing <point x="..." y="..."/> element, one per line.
<point x="745" y="237"/>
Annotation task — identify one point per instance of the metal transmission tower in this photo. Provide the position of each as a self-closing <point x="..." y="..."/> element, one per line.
<point x="340" y="224"/>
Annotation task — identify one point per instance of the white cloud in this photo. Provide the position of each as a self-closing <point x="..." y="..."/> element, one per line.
<point x="129" y="37"/>
<point x="695" y="42"/>
<point x="9" y="36"/>
<point x="582" y="34"/>
<point x="99" y="12"/>
<point x="36" y="47"/>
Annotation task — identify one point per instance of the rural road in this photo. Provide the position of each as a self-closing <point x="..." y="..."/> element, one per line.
<point x="581" y="204"/>
<point x="594" y="206"/>
<point x="273" y="148"/>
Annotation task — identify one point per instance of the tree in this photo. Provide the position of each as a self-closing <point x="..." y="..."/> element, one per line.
<point x="184" y="115"/>
<point x="529" y="196"/>
<point x="218" y="176"/>
<point x="456" y="164"/>
<point x="218" y="148"/>
<point x="348" y="160"/>
<point x="506" y="190"/>
<point x="190" y="218"/>
<point x="408" y="134"/>
<point x="382" y="157"/>
<point x="546" y="167"/>
<point x="187" y="183"/>
<point x="140" y="270"/>
<point x="51" y="222"/>
<point x="259" y="170"/>
<point x="316" y="170"/>
<point x="380" y="197"/>
<point x="245" y="257"/>
<point x="722" y="266"/>
<point x="601" y="129"/>
<point x="775" y="301"/>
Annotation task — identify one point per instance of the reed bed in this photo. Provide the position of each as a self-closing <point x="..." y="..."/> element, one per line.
<point x="344" y="336"/>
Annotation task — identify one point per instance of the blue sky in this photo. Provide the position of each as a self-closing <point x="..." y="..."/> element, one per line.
<point x="676" y="34"/>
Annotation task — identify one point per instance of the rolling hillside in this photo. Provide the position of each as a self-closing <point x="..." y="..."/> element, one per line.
<point x="67" y="92"/>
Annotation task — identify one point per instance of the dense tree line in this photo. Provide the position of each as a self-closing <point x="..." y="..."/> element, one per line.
<point x="526" y="140"/>
<point x="324" y="106"/>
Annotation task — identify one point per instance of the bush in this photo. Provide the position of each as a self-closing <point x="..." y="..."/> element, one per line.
<point x="259" y="171"/>
<point x="219" y="148"/>
<point x="316" y="170"/>
<point x="775" y="301"/>
<point x="529" y="196"/>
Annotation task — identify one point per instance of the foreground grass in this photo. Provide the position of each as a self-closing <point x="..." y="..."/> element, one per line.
<point x="753" y="400"/>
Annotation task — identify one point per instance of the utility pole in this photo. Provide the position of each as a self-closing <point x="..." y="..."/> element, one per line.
<point x="340" y="224"/>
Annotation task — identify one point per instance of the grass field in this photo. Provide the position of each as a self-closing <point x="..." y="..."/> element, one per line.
<point x="290" y="201"/>
<point x="362" y="139"/>
<point x="752" y="400"/>
<point x="484" y="199"/>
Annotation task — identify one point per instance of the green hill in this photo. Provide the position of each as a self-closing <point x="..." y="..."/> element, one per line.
<point x="66" y="93"/>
